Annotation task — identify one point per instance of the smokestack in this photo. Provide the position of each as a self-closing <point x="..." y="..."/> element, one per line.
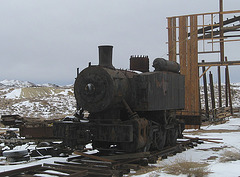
<point x="105" y="56"/>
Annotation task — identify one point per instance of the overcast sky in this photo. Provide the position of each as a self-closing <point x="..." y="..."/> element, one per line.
<point x="44" y="41"/>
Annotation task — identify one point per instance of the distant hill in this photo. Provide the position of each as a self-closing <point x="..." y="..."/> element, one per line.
<point x="32" y="100"/>
<point x="16" y="83"/>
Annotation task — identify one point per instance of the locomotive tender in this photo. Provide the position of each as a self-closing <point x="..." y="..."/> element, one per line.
<point x="128" y="111"/>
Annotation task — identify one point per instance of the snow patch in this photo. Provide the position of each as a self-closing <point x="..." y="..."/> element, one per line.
<point x="14" y="94"/>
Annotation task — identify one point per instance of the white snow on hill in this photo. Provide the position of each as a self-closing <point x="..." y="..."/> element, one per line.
<point x="16" y="83"/>
<point x="31" y="100"/>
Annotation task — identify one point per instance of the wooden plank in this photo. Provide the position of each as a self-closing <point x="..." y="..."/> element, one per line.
<point x="128" y="156"/>
<point x="79" y="174"/>
<point x="222" y="42"/>
<point x="229" y="89"/>
<point x="209" y="13"/>
<point x="174" y="49"/>
<point x="205" y="91"/>
<point x="103" y="171"/>
<point x="225" y="63"/>
<point x="221" y="31"/>
<point x="93" y="156"/>
<point x="172" y="39"/>
<point x="195" y="71"/>
<point x="212" y="93"/>
<point x="59" y="168"/>
<point x="194" y="106"/>
<point x="187" y="79"/>
<point x="219" y="88"/>
<point x="20" y="170"/>
<point x="226" y="88"/>
<point x="183" y="37"/>
<point x="50" y="173"/>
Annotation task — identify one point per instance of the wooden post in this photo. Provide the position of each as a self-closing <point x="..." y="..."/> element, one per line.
<point x="221" y="50"/>
<point x="212" y="94"/>
<point x="229" y="89"/>
<point x="172" y="44"/>
<point x="219" y="88"/>
<point x="221" y="30"/>
<point x="226" y="87"/>
<point x="205" y="91"/>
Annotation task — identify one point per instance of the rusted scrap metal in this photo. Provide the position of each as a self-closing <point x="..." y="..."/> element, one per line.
<point x="36" y="132"/>
<point x="139" y="63"/>
<point x="204" y="139"/>
<point x="16" y="155"/>
<point x="93" y="165"/>
<point x="8" y="134"/>
<point x="30" y="127"/>
<point x="11" y="120"/>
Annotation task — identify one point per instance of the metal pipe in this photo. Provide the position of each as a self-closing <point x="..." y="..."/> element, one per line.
<point x="105" y="56"/>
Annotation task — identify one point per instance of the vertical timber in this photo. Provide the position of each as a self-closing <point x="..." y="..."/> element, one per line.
<point x="194" y="74"/>
<point x="226" y="86"/>
<point x="212" y="93"/>
<point x="172" y="45"/>
<point x="229" y="89"/>
<point x="219" y="88"/>
<point x="221" y="51"/>
<point x="205" y="90"/>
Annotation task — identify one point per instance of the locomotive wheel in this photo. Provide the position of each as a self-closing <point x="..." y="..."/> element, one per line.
<point x="159" y="139"/>
<point x="171" y="139"/>
<point x="172" y="133"/>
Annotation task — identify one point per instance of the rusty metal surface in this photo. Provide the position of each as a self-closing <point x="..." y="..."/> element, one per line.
<point x="11" y="120"/>
<point x="105" y="56"/>
<point x="160" y="64"/>
<point x="36" y="132"/>
<point x="118" y="132"/>
<point x="139" y="63"/>
<point x="97" y="88"/>
<point x="159" y="91"/>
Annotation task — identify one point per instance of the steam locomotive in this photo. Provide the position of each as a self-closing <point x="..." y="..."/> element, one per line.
<point x="128" y="110"/>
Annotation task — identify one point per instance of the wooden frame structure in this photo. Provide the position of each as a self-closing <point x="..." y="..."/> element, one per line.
<point x="187" y="39"/>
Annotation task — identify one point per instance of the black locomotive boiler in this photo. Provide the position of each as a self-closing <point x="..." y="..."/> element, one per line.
<point x="128" y="110"/>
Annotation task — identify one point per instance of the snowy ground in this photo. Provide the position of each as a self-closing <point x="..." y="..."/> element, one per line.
<point x="228" y="132"/>
<point x="202" y="153"/>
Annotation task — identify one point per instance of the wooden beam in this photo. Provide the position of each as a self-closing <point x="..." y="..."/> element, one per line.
<point x="204" y="72"/>
<point x="234" y="40"/>
<point x="225" y="63"/>
<point x="205" y="89"/>
<point x="93" y="156"/>
<point x="221" y="30"/>
<point x="212" y="94"/>
<point x="209" y="13"/>
<point x="183" y="31"/>
<point x="229" y="89"/>
<point x="172" y="39"/>
<point x="219" y="88"/>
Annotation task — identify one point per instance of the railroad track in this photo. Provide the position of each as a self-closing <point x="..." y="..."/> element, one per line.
<point x="96" y="165"/>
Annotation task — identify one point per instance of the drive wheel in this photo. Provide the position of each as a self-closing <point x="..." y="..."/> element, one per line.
<point x="159" y="139"/>
<point x="172" y="135"/>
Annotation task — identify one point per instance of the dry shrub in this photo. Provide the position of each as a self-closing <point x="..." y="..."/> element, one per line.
<point x="227" y="156"/>
<point x="187" y="167"/>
